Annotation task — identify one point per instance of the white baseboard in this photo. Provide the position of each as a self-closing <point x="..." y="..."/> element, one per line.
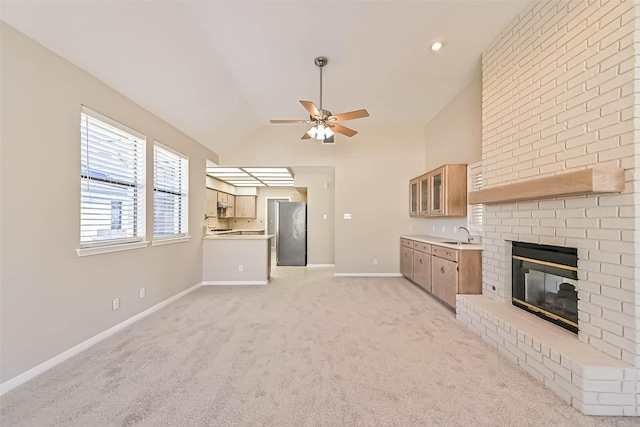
<point x="368" y="274"/>
<point x="46" y="365"/>
<point x="320" y="265"/>
<point x="234" y="282"/>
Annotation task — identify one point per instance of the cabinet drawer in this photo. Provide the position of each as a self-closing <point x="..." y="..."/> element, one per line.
<point x="406" y="243"/>
<point x="446" y="253"/>
<point x="422" y="247"/>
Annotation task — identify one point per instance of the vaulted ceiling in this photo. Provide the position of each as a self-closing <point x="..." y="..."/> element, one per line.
<point x="219" y="70"/>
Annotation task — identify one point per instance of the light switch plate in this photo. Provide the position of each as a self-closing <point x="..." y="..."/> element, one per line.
<point x="347" y="216"/>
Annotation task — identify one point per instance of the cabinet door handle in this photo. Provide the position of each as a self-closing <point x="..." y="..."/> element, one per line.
<point x="420" y="261"/>
<point x="442" y="270"/>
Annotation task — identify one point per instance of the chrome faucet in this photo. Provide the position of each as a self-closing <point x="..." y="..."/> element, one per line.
<point x="465" y="229"/>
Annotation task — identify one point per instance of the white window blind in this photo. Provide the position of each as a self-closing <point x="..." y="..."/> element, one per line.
<point x="474" y="180"/>
<point x="170" y="193"/>
<point x="112" y="177"/>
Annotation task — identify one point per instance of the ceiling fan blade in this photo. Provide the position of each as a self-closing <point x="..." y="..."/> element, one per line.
<point x="305" y="136"/>
<point x="343" y="130"/>
<point x="349" y="116"/>
<point x="289" y="121"/>
<point x="310" y="107"/>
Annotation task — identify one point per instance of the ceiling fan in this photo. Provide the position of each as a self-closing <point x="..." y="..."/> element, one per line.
<point x="324" y="123"/>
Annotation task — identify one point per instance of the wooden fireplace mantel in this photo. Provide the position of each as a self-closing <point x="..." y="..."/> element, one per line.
<point x="583" y="182"/>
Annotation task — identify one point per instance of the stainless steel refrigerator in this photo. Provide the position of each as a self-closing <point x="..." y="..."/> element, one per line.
<point x="291" y="233"/>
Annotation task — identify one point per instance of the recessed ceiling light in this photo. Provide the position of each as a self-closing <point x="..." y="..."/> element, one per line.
<point x="436" y="45"/>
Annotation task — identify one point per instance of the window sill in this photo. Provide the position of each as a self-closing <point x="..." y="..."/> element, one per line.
<point x="111" y="248"/>
<point x="170" y="240"/>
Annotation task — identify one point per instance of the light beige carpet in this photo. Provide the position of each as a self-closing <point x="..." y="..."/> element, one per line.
<point x="307" y="350"/>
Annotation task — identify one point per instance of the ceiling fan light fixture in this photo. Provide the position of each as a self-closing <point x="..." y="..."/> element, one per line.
<point x="324" y="122"/>
<point x="436" y="45"/>
<point x="328" y="133"/>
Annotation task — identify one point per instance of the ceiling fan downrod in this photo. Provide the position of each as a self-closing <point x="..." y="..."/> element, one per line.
<point x="321" y="61"/>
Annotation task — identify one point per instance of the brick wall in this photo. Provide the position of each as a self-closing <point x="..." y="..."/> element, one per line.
<point x="559" y="95"/>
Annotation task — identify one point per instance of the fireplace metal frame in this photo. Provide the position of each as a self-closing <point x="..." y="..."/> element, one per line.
<point x="562" y="258"/>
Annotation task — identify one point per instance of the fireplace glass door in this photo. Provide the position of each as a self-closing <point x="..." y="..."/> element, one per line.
<point x="546" y="287"/>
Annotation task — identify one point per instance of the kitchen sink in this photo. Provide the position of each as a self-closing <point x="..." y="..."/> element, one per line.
<point x="459" y="243"/>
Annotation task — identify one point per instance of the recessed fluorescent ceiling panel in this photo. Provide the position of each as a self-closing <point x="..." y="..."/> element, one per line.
<point x="253" y="177"/>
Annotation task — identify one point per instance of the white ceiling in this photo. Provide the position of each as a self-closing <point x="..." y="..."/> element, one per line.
<point x="219" y="70"/>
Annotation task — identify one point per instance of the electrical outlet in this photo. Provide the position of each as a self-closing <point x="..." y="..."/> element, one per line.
<point x="143" y="292"/>
<point x="240" y="268"/>
<point x="115" y="304"/>
<point x="444" y="228"/>
<point x="375" y="261"/>
<point x="433" y="228"/>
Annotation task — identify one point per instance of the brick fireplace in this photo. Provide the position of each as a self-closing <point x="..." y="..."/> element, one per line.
<point x="558" y="96"/>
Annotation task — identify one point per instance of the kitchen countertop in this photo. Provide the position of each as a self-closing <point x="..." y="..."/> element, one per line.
<point x="440" y="242"/>
<point x="235" y="230"/>
<point x="238" y="237"/>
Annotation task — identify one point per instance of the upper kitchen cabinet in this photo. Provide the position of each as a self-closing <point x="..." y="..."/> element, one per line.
<point x="413" y="197"/>
<point x="231" y="209"/>
<point x="245" y="207"/>
<point x="441" y="192"/>
<point x="449" y="191"/>
<point x="212" y="203"/>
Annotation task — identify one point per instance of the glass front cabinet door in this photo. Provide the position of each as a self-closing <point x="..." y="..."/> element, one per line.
<point x="413" y="197"/>
<point x="424" y="194"/>
<point x="437" y="191"/>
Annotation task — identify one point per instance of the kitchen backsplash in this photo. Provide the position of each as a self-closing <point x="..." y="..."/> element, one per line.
<point x="243" y="223"/>
<point x="217" y="223"/>
<point x="239" y="223"/>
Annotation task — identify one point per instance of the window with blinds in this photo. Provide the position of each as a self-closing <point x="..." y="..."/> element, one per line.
<point x="112" y="176"/>
<point x="474" y="181"/>
<point x="170" y="193"/>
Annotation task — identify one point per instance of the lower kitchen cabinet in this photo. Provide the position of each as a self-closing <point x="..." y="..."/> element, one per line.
<point x="442" y="271"/>
<point x="444" y="279"/>
<point x="406" y="258"/>
<point x="422" y="265"/>
<point x="406" y="262"/>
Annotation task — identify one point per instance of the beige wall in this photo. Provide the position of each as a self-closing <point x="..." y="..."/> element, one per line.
<point x="53" y="300"/>
<point x="453" y="136"/>
<point x="320" y="184"/>
<point x="372" y="171"/>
